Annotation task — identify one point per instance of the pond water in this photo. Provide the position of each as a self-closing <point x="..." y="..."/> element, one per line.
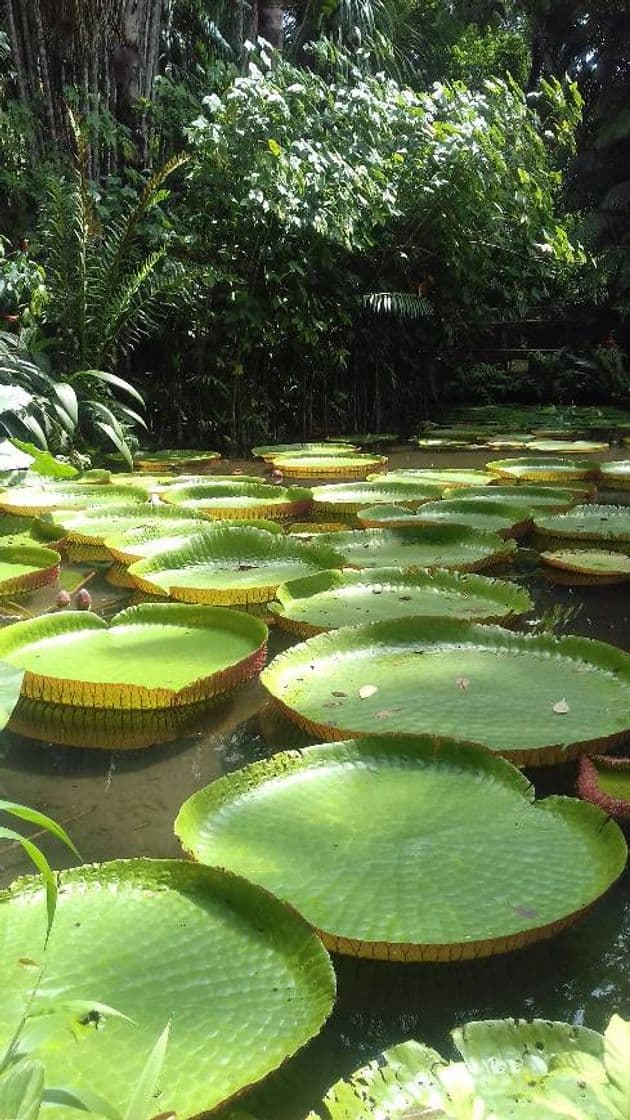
<point x="119" y="804"/>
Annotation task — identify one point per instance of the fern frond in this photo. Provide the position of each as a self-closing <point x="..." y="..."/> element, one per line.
<point x="402" y="305"/>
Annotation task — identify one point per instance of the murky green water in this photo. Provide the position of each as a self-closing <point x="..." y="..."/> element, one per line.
<point x="117" y="804"/>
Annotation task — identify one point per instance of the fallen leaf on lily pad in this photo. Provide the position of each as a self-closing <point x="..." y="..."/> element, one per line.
<point x="462" y="683"/>
<point x="366" y="691"/>
<point x="561" y="708"/>
<point x="338" y="692"/>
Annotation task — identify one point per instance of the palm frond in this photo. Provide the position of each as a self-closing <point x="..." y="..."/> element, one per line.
<point x="402" y="305"/>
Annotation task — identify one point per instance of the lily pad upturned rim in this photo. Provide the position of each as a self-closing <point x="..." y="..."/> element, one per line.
<point x="615" y="475"/>
<point x="268" y="502"/>
<point x="174" y="460"/>
<point x="88" y="694"/>
<point x="269" y="451"/>
<point x="352" y="465"/>
<point x="224" y="544"/>
<point x="273" y="928"/>
<point x="542" y="469"/>
<point x="580" y="562"/>
<point x="419" y="752"/>
<point x="447" y="633"/>
<point x="302" y="589"/>
<point x="589" y="789"/>
<point x="497" y="549"/>
<point x="44" y="562"/>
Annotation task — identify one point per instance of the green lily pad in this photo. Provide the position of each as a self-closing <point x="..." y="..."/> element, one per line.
<point x="347" y="498"/>
<point x="31" y="501"/>
<point x="269" y="451"/>
<point x="508" y="441"/>
<point x="151" y="656"/>
<point x="188" y="460"/>
<point x="606" y="782"/>
<point x="453" y="547"/>
<point x="231" y="566"/>
<point x="223" y="500"/>
<point x="615" y="475"/>
<point x="533" y="698"/>
<point x="538" y="1070"/>
<point x="590" y="522"/>
<point x="540" y="469"/>
<point x="365" y="439"/>
<point x="440" y="443"/>
<point x="449" y="476"/>
<point x="332" y="599"/>
<point x="154" y="537"/>
<point x="493" y="517"/>
<point x="554" y="498"/>
<point x="351" y="465"/>
<point x="376" y="843"/>
<point x="585" y="566"/>
<point x="23" y="567"/>
<point x="251" y="969"/>
<point x="95" y="525"/>
<point x="568" y="446"/>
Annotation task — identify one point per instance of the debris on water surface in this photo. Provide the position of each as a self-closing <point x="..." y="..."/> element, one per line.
<point x="561" y="708"/>
<point x="62" y="601"/>
<point x="462" y="683"/>
<point x="84" y="600"/>
<point x="366" y="691"/>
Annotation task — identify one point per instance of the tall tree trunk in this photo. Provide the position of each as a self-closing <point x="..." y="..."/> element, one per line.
<point x="271" y="22"/>
<point x="104" y="50"/>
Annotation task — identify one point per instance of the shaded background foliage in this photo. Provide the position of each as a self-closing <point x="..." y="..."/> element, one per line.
<point x="363" y="193"/>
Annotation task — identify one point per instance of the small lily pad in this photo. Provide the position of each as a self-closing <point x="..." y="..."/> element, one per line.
<point x="590" y="522"/>
<point x="586" y="567"/>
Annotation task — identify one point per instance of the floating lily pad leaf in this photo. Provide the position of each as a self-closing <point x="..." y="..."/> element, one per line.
<point x="508" y="441"/>
<point x="351" y="465"/>
<point x="453" y="547"/>
<point x="251" y="969"/>
<point x="438" y="443"/>
<point x="449" y="476"/>
<point x="606" y="782"/>
<point x="361" y="837"/>
<point x="367" y="439"/>
<point x="31" y="501"/>
<point x="346" y="498"/>
<point x="152" y="537"/>
<point x="417" y="663"/>
<point x="23" y="567"/>
<point x="590" y="522"/>
<point x="271" y="450"/>
<point x="231" y="566"/>
<point x="583" y="567"/>
<point x="95" y="525"/>
<point x="539" y="469"/>
<point x="223" y="500"/>
<point x="332" y="599"/>
<point x="568" y="447"/>
<point x="552" y="498"/>
<point x="615" y="475"/>
<point x="151" y="656"/>
<point x="152" y="461"/>
<point x="314" y="528"/>
<point x="493" y="517"/>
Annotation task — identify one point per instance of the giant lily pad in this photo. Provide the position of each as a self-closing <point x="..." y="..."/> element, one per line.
<point x="151" y="656"/>
<point x="587" y="566"/>
<point x="347" y="498"/>
<point x="154" y="537"/>
<point x="231" y="566"/>
<point x="590" y="522"/>
<point x="31" y="501"/>
<point x="93" y="526"/>
<point x="333" y="599"/>
<point x="533" y="698"/>
<point x="540" y="469"/>
<point x="223" y="500"/>
<point x="247" y="968"/>
<point x="449" y="476"/>
<point x="493" y="517"/>
<point x="453" y="547"/>
<point x="552" y="498"/>
<point x="350" y="465"/>
<point x="615" y="475"/>
<point x="24" y="567"/>
<point x="270" y="451"/>
<point x="568" y="446"/>
<point x="187" y="460"/>
<point x="377" y="844"/>
<point x="606" y="782"/>
<point x="524" y="1070"/>
<point x="365" y="439"/>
